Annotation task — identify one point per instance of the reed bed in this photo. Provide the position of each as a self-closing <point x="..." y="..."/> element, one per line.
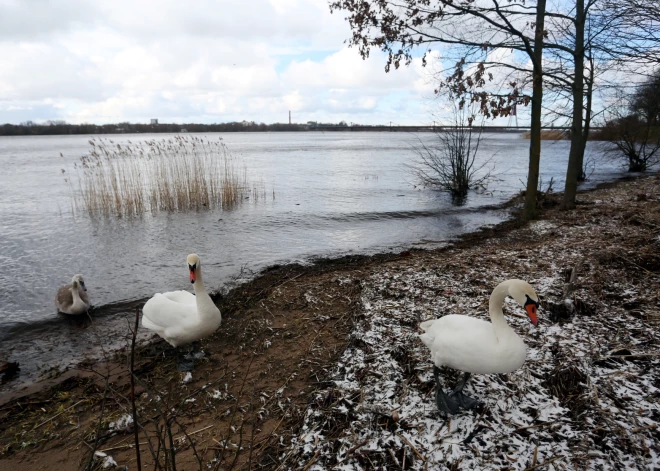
<point x="175" y="174"/>
<point x="550" y="135"/>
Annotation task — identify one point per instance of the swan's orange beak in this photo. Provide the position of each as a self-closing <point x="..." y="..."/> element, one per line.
<point x="193" y="271"/>
<point x="531" y="313"/>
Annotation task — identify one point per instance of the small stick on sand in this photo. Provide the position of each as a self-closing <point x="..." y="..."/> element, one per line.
<point x="57" y="415"/>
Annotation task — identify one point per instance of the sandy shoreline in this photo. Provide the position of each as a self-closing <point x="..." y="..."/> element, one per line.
<point x="311" y="362"/>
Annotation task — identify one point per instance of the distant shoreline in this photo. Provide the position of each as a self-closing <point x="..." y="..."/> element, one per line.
<point x="32" y="129"/>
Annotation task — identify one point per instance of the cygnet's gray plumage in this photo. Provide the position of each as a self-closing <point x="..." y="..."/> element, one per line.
<point x="73" y="298"/>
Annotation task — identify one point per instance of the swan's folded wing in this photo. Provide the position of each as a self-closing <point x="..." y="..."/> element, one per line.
<point x="183" y="297"/>
<point x="162" y="312"/>
<point x="64" y="298"/>
<point x="147" y="324"/>
<point x="84" y="296"/>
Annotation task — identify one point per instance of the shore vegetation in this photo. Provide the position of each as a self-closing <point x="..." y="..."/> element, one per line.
<point x="186" y="173"/>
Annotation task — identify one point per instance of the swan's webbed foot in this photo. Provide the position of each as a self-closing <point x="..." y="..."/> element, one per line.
<point x="184" y="365"/>
<point x="465" y="402"/>
<point x="444" y="402"/>
<point x="185" y="361"/>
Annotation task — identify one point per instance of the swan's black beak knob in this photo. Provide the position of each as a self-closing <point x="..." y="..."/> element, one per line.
<point x="531" y="308"/>
<point x="193" y="272"/>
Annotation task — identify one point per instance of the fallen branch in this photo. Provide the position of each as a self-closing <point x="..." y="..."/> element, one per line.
<point x="542" y="424"/>
<point x="121" y="447"/>
<point x="540" y="465"/>
<point x="570" y="286"/>
<point x="193" y="433"/>
<point x="646" y="427"/>
<point x="632" y="355"/>
<point x="412" y="447"/>
<point x="312" y="461"/>
<point x="349" y="453"/>
<point x="57" y="415"/>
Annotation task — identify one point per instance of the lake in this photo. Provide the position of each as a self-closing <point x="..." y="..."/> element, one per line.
<point x="327" y="194"/>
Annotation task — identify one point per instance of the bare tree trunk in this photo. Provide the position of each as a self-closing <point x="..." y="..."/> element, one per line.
<point x="529" y="211"/>
<point x="575" y="155"/>
<point x="587" y="120"/>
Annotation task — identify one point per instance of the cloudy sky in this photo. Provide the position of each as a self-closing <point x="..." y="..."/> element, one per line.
<point x="202" y="61"/>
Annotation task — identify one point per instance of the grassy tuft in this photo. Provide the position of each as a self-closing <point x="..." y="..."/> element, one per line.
<point x="550" y="135"/>
<point x="175" y="174"/>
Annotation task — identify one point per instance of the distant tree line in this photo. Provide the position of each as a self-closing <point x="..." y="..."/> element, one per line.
<point x="59" y="127"/>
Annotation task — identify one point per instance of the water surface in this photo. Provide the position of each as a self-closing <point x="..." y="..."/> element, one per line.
<point x="328" y="194"/>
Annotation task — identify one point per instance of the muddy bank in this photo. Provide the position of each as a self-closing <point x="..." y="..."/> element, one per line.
<point x="320" y="366"/>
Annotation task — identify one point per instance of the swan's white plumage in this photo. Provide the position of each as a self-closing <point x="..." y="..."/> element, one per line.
<point x="181" y="317"/>
<point x="477" y="346"/>
<point x="471" y="345"/>
<point x="183" y="297"/>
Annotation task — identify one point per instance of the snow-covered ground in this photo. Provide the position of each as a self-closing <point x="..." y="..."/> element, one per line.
<point x="568" y="407"/>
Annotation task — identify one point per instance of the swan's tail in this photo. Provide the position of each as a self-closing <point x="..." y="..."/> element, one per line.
<point x="426" y="325"/>
<point x="427" y="338"/>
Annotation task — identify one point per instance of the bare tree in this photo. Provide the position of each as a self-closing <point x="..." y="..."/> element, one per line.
<point x="635" y="127"/>
<point x="399" y="28"/>
<point x="638" y="141"/>
<point x="582" y="40"/>
<point x="451" y="163"/>
<point x="645" y="102"/>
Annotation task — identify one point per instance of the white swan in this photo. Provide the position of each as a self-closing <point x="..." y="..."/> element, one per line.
<point x="475" y="346"/>
<point x="181" y="317"/>
<point x="70" y="299"/>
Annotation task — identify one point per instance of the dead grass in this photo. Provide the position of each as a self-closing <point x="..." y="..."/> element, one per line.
<point x="550" y="135"/>
<point x="176" y="174"/>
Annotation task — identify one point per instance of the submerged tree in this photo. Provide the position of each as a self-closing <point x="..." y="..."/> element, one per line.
<point x="638" y="140"/>
<point x="450" y="164"/>
<point x="398" y="29"/>
<point x="646" y="100"/>
<point x="635" y="132"/>
<point x="581" y="41"/>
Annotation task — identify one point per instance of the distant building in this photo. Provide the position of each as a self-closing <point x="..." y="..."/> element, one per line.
<point x="154" y="121"/>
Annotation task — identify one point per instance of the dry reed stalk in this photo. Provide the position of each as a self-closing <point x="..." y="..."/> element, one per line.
<point x="176" y="174"/>
<point x="550" y="135"/>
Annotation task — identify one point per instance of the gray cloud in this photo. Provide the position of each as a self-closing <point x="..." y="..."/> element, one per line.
<point x="204" y="61"/>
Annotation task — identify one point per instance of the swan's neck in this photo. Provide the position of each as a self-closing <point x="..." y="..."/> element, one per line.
<point x="495" y="304"/>
<point x="75" y="293"/>
<point x="203" y="298"/>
